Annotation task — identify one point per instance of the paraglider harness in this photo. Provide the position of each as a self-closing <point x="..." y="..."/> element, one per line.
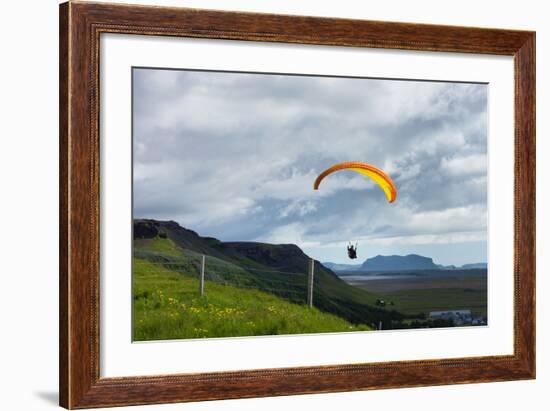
<point x="352" y="251"/>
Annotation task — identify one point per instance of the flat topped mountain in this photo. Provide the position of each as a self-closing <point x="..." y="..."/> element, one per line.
<point x="395" y="263"/>
<point x="398" y="263"/>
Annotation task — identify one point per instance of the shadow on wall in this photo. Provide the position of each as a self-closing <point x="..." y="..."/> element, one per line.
<point x="51" y="397"/>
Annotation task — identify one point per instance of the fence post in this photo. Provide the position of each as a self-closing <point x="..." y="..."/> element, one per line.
<point x="202" y="275"/>
<point x="310" y="282"/>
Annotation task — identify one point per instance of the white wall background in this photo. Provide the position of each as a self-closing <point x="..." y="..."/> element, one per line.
<point x="29" y="190"/>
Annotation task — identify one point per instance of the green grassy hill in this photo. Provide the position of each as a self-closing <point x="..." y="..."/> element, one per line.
<point x="167" y="305"/>
<point x="279" y="269"/>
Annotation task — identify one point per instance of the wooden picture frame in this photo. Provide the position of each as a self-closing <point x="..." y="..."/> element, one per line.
<point x="80" y="27"/>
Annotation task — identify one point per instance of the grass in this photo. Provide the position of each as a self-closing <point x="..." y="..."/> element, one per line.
<point x="425" y="294"/>
<point x="159" y="245"/>
<point x="167" y="305"/>
<point x="331" y="294"/>
<point x="416" y="301"/>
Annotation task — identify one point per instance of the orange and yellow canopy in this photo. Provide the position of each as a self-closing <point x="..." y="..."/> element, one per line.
<point x="381" y="178"/>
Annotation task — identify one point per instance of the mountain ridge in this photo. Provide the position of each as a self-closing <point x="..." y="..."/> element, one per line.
<point x="263" y="266"/>
<point x="395" y="263"/>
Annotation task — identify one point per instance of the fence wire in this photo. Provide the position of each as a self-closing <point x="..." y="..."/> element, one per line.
<point x="281" y="281"/>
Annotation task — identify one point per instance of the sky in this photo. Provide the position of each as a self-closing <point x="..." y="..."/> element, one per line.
<point x="234" y="156"/>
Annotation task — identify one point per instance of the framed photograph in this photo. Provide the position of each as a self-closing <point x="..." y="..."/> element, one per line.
<point x="258" y="205"/>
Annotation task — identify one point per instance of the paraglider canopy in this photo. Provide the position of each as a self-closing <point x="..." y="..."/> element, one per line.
<point x="381" y="178"/>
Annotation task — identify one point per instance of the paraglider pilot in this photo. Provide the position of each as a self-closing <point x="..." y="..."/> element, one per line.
<point x="380" y="177"/>
<point x="352" y="251"/>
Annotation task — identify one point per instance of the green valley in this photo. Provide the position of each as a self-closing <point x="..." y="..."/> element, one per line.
<point x="167" y="305"/>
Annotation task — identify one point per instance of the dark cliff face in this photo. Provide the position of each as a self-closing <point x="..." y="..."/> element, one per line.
<point x="285" y="257"/>
<point x="144" y="229"/>
<point x="183" y="237"/>
<point x="273" y="255"/>
<point x="270" y="254"/>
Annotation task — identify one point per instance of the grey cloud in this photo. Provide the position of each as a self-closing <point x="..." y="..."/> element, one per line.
<point x="235" y="155"/>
